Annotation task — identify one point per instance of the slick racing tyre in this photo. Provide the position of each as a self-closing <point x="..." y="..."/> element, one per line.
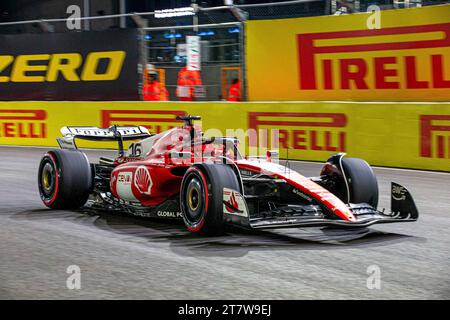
<point x="64" y="179"/>
<point x="362" y="182"/>
<point x="201" y="197"/>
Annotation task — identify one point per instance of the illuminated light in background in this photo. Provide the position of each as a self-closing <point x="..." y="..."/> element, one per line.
<point x="148" y="37"/>
<point x="173" y="35"/>
<point x="206" y="33"/>
<point x="176" y="12"/>
<point x="233" y="30"/>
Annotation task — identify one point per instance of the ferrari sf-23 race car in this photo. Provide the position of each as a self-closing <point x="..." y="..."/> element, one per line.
<point x="205" y="181"/>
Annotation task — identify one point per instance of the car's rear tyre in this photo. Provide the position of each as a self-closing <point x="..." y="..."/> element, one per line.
<point x="361" y="180"/>
<point x="201" y="197"/>
<point x="64" y="179"/>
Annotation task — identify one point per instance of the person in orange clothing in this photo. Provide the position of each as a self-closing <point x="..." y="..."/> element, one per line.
<point x="234" y="93"/>
<point x="154" y="90"/>
<point x="187" y="79"/>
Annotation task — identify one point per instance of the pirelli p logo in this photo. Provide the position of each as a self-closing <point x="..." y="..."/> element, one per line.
<point x="155" y="121"/>
<point x="303" y="130"/>
<point x="23" y="124"/>
<point x="435" y="136"/>
<point x="386" y="59"/>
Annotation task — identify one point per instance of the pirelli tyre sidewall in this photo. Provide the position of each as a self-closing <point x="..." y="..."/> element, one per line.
<point x="65" y="179"/>
<point x="205" y="183"/>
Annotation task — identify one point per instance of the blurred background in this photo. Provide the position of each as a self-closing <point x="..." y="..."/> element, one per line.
<point x="162" y="36"/>
<point x="376" y="90"/>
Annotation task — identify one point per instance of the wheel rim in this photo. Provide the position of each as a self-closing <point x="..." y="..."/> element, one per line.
<point x="194" y="200"/>
<point x="48" y="179"/>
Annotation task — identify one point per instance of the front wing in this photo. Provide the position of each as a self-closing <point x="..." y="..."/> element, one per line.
<point x="403" y="209"/>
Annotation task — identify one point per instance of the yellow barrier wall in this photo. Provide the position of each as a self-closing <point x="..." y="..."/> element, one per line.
<point x="340" y="58"/>
<point x="409" y="135"/>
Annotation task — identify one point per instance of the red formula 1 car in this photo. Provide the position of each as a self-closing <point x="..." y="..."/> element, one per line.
<point x="206" y="182"/>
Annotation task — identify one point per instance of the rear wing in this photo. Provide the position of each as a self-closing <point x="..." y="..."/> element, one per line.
<point x="113" y="133"/>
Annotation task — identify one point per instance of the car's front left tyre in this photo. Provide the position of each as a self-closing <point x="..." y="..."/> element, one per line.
<point x="201" y="197"/>
<point x="64" y="179"/>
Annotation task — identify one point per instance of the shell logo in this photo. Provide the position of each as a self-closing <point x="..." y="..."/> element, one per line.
<point x="142" y="180"/>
